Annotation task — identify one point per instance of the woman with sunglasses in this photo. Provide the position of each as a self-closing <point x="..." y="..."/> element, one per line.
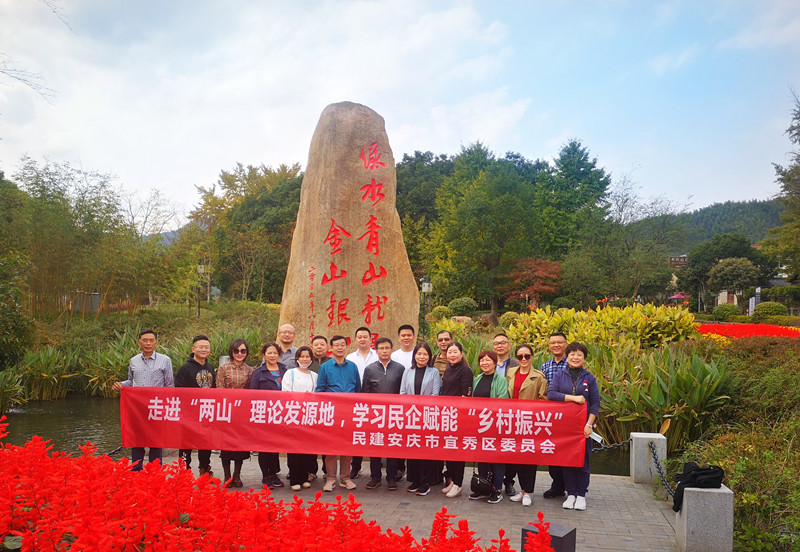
<point x="235" y="374"/>
<point x="531" y="385"/>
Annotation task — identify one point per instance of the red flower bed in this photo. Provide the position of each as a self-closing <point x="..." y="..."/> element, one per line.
<point x="738" y="331"/>
<point x="57" y="502"/>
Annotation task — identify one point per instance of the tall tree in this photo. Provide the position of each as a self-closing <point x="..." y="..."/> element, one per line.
<point x="626" y="254"/>
<point x="256" y="241"/>
<point x="702" y="258"/>
<point x="784" y="240"/>
<point x="733" y="274"/>
<point x="483" y="224"/>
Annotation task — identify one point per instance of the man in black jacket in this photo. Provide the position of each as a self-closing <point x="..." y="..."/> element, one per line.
<point x="383" y="376"/>
<point x="197" y="372"/>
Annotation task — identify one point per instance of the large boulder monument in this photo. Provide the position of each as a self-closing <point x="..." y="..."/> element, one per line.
<point x="348" y="265"/>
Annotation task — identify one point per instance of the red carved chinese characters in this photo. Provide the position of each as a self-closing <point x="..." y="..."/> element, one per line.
<point x="372" y="232"/>
<point x="371" y="307"/>
<point x="372" y="160"/>
<point x="373" y="191"/>
<point x="371" y="275"/>
<point x="311" y="277"/>
<point x="335" y="274"/>
<point x="337" y="311"/>
<point x="334" y="238"/>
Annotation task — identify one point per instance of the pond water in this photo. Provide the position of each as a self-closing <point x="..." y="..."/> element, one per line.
<point x="73" y="421"/>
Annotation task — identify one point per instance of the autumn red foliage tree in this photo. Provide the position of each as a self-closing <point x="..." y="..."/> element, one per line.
<point x="531" y="279"/>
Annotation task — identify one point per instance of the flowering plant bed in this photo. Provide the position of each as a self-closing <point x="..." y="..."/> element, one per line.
<point x="739" y="331"/>
<point x="52" y="501"/>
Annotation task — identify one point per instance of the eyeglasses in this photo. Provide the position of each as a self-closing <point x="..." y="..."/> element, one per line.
<point x="443" y="339"/>
<point x="240" y="351"/>
<point x="524" y="356"/>
<point x="501" y="343"/>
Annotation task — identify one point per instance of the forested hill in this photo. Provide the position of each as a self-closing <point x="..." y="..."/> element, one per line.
<point x="753" y="218"/>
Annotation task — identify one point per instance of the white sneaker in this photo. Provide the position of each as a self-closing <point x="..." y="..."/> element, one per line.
<point x="453" y="492"/>
<point x="569" y="503"/>
<point x="517" y="497"/>
<point x="447" y="488"/>
<point x="580" y="503"/>
<point x="526" y="500"/>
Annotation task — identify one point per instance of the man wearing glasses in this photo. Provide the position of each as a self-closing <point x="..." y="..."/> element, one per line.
<point x="199" y="373"/>
<point x="443" y="339"/>
<point x="557" y="346"/>
<point x="502" y="345"/>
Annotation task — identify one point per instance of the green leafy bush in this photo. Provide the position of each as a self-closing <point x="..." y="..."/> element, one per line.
<point x="562" y="303"/>
<point x="11" y="391"/>
<point x="769" y="308"/>
<point x="644" y="326"/>
<point x="761" y="462"/>
<point x="722" y="312"/>
<point x="762" y="376"/>
<point x="15" y="327"/>
<point x="463" y="306"/>
<point x="793" y="321"/>
<point x="440" y="313"/>
<point x="672" y="390"/>
<point x="508" y="318"/>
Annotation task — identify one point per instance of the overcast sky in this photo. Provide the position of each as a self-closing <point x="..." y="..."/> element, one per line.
<point x="688" y="99"/>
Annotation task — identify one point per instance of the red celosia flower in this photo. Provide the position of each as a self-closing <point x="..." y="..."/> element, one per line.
<point x="738" y="331"/>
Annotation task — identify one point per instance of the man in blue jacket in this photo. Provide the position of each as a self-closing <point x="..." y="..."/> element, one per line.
<point x="338" y="375"/>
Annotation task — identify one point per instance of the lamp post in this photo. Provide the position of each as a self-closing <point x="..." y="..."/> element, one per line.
<point x="427" y="287"/>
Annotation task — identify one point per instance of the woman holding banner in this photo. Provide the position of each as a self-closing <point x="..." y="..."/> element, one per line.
<point x="524" y="382"/>
<point x="576" y="384"/>
<point x="489" y="384"/>
<point x="235" y="374"/>
<point x="421" y="379"/>
<point x="268" y="376"/>
<point x="456" y="382"/>
<point x="301" y="379"/>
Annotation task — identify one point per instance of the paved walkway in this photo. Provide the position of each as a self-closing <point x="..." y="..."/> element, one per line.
<point x="620" y="515"/>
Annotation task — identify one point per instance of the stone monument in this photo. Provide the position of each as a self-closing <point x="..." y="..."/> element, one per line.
<point x="348" y="265"/>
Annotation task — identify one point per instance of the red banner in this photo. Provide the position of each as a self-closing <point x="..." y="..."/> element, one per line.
<point x="361" y="424"/>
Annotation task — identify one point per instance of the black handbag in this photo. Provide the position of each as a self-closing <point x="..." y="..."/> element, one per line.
<point x="481" y="485"/>
<point x="695" y="476"/>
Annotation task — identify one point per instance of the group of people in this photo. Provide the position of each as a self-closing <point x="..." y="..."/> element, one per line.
<point x="410" y="369"/>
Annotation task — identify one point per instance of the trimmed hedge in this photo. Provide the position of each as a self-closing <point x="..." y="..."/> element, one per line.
<point x="722" y="312"/>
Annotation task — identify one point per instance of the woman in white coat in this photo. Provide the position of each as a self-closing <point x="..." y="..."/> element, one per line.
<point x="421" y="379"/>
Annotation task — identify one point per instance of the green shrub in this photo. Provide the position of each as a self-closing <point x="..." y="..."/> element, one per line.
<point x="562" y="303"/>
<point x="669" y="390"/>
<point x="11" y="391"/>
<point x="722" y="312"/>
<point x="463" y="306"/>
<point x="761" y="462"/>
<point x="508" y="318"/>
<point x="769" y="308"/>
<point x="457" y="329"/>
<point x="440" y="313"/>
<point x="15" y="327"/>
<point x="762" y="374"/>
<point x="793" y="321"/>
<point x="742" y="318"/>
<point x="644" y="326"/>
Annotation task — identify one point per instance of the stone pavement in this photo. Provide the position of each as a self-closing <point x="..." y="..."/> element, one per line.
<point x="619" y="516"/>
